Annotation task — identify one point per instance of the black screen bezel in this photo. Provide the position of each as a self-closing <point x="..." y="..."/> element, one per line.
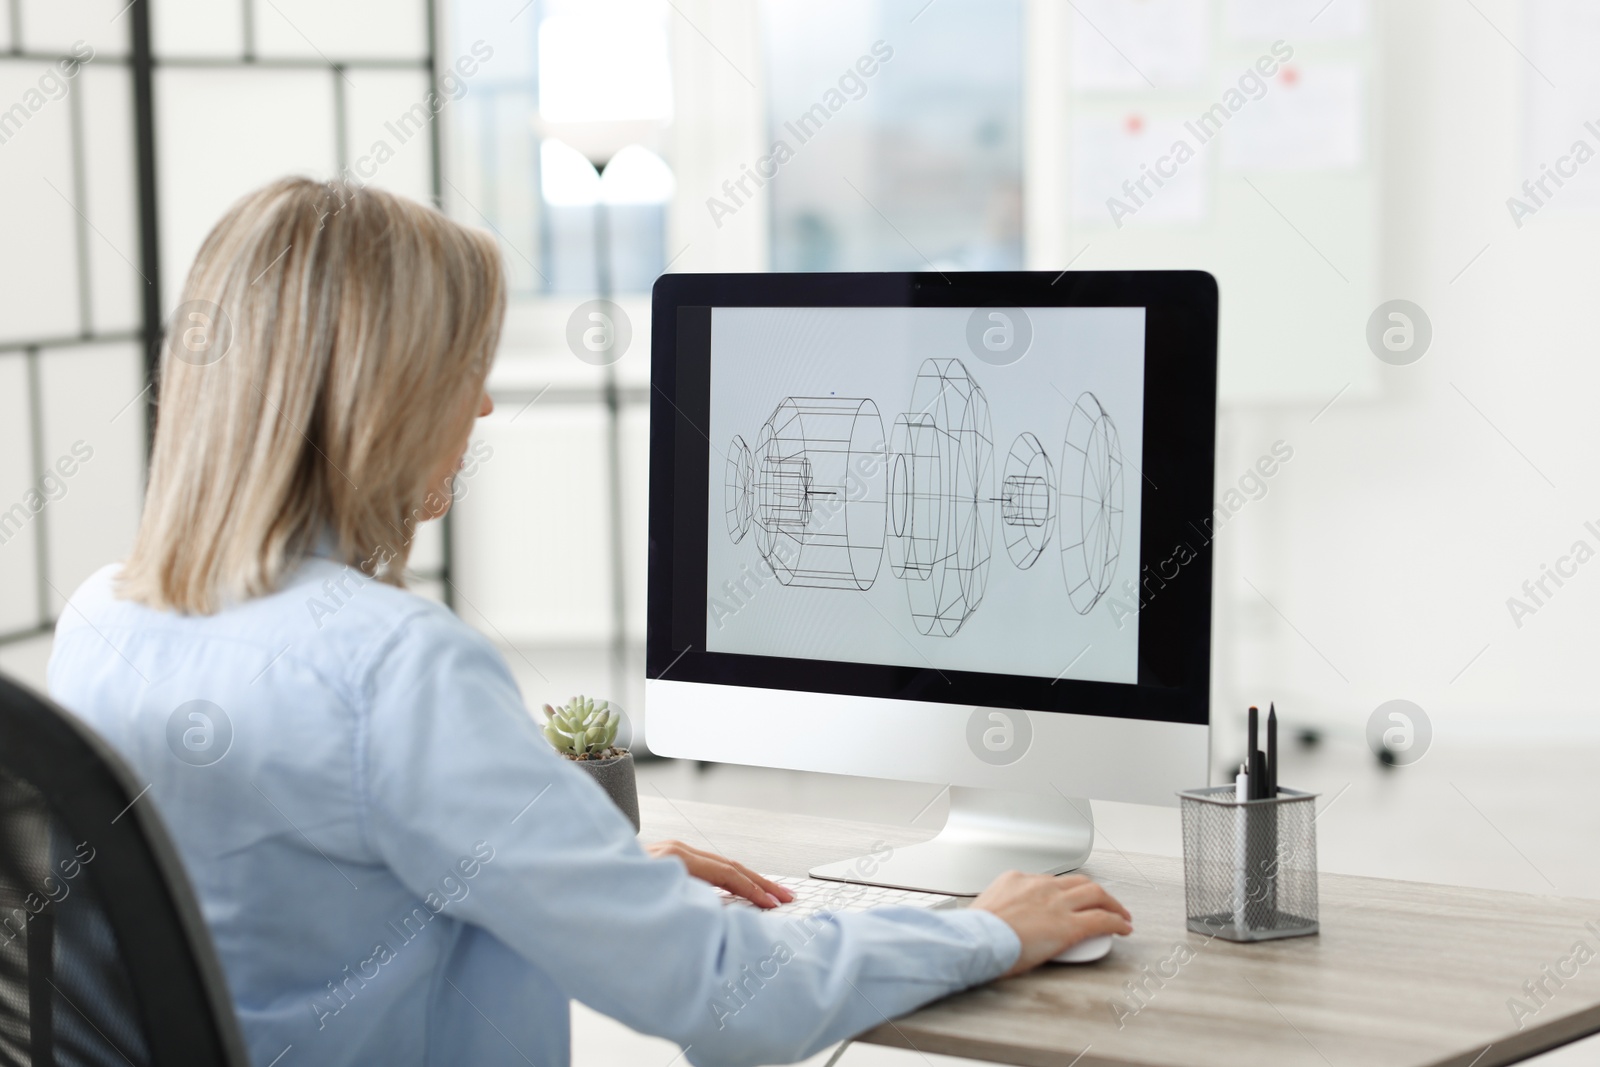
<point x="1179" y="453"/>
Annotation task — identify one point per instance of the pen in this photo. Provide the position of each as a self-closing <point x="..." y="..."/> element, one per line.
<point x="1272" y="750"/>
<point x="1258" y="846"/>
<point x="1241" y="895"/>
<point x="1250" y="751"/>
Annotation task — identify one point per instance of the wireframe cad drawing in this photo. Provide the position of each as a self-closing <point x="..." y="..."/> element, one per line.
<point x="1027" y="501"/>
<point x="738" y="501"/>
<point x="941" y="497"/>
<point x="825" y="497"/>
<point x="1091" y="503"/>
<point x="813" y="490"/>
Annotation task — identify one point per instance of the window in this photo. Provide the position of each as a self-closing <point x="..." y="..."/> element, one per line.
<point x="913" y="166"/>
<point x="582" y="88"/>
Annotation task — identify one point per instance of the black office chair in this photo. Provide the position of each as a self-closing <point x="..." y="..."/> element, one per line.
<point x="104" y="958"/>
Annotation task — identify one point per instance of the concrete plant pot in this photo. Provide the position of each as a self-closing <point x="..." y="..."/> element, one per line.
<point x="615" y="775"/>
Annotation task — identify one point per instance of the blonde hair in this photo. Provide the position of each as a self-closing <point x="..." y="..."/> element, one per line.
<point x="329" y="338"/>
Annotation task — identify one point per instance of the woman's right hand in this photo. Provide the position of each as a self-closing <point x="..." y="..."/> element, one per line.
<point x="1051" y="913"/>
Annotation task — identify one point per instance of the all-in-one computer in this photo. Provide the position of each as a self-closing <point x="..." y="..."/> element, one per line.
<point x="946" y="528"/>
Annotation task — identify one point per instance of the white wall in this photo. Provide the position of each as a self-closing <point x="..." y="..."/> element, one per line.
<point x="1395" y="536"/>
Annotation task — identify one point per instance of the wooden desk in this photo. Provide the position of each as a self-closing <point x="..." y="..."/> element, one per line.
<point x="1404" y="973"/>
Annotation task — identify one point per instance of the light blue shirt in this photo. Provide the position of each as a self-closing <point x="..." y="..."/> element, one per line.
<point x="396" y="868"/>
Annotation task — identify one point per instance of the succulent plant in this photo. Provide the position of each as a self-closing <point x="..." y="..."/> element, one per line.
<point x="583" y="729"/>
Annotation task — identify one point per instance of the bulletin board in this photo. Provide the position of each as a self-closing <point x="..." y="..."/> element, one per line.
<point x="1238" y="137"/>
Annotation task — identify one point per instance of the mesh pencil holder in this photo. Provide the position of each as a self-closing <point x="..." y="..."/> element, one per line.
<point x="1250" y="867"/>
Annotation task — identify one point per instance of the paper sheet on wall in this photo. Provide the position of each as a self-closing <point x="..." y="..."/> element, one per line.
<point x="1295" y="20"/>
<point x="1310" y="118"/>
<point x="1140" y="44"/>
<point x="1109" y="151"/>
<point x="1562" y="93"/>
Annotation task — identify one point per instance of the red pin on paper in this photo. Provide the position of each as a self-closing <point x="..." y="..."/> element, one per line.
<point x="1135" y="124"/>
<point x="1290" y="76"/>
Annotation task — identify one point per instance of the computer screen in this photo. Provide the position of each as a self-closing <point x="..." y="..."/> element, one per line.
<point x="954" y="488"/>
<point x="979" y="489"/>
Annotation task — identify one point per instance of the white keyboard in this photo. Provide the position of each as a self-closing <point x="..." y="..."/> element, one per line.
<point x="813" y="895"/>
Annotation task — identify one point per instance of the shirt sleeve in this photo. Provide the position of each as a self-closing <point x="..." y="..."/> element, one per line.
<point x="456" y="770"/>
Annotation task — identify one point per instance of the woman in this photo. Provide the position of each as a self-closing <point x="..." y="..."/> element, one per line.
<point x="394" y="865"/>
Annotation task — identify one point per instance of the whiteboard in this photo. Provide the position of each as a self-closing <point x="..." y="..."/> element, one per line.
<point x="1278" y="196"/>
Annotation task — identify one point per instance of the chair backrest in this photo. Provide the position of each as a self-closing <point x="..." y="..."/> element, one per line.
<point x="104" y="957"/>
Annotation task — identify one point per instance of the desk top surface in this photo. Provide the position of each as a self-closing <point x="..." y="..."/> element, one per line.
<point x="1403" y="974"/>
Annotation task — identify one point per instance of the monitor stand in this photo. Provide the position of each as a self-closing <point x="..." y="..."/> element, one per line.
<point x="989" y="832"/>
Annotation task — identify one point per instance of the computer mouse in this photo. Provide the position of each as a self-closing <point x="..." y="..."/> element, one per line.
<point x="1086" y="951"/>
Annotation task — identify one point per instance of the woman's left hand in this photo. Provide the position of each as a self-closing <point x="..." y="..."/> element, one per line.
<point x="724" y="873"/>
